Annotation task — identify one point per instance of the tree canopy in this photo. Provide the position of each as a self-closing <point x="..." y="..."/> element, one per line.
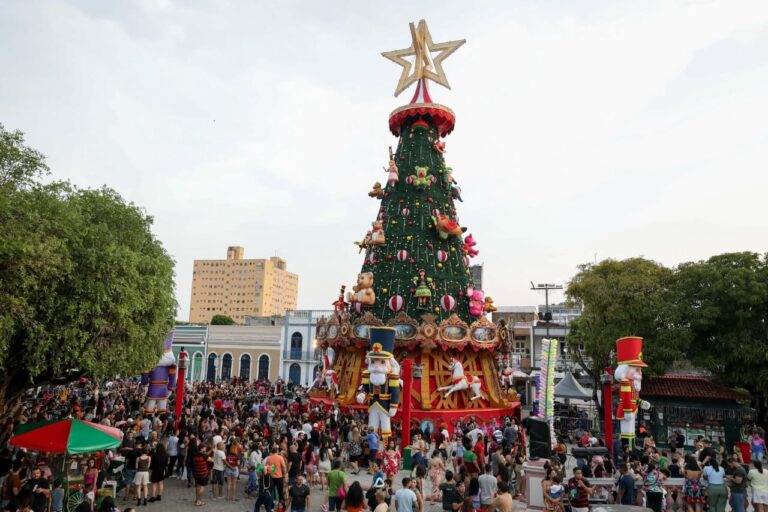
<point x="222" y="320"/>
<point x="723" y="303"/>
<point x="85" y="287"/>
<point x="623" y="298"/>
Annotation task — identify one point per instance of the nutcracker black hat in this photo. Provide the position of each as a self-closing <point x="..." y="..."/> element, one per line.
<point x="382" y="342"/>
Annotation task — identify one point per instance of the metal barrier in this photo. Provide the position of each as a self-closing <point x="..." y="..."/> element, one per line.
<point x="565" y="426"/>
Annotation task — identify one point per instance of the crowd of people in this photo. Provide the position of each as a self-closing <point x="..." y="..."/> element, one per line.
<point x="707" y="476"/>
<point x="235" y="440"/>
<point x="269" y="443"/>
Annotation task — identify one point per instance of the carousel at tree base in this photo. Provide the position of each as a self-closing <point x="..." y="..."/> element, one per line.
<point x="415" y="281"/>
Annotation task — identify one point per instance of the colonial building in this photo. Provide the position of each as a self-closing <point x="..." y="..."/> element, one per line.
<point x="302" y="360"/>
<point x="244" y="351"/>
<point x="239" y="287"/>
<point x="193" y="339"/>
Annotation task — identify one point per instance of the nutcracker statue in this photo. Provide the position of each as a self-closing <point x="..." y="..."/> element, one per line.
<point x="629" y="373"/>
<point x="161" y="379"/>
<point x="381" y="381"/>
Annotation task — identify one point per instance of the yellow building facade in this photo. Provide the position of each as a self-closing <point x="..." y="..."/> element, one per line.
<point x="239" y="287"/>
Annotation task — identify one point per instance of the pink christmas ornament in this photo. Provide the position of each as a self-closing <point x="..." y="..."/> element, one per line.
<point x="402" y="255"/>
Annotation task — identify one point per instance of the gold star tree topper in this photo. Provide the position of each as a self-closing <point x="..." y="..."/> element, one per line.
<point x="424" y="65"/>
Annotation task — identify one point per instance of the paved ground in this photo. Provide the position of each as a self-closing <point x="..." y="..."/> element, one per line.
<point x="177" y="498"/>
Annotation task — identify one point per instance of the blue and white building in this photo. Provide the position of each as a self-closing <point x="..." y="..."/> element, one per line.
<point x="301" y="359"/>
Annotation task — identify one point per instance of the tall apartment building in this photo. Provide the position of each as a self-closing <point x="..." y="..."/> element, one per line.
<point x="239" y="287"/>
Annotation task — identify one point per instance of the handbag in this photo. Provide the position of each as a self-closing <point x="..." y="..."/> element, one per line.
<point x="342" y="492"/>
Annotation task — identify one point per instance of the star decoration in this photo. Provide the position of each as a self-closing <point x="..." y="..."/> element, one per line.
<point x="424" y="65"/>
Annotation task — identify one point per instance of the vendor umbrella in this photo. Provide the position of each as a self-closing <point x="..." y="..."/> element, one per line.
<point x="68" y="436"/>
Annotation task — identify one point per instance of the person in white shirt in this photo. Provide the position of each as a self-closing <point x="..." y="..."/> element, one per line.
<point x="474" y="434"/>
<point x="173" y="453"/>
<point x="218" y="470"/>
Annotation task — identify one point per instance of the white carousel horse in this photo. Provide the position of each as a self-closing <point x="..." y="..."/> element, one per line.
<point x="460" y="382"/>
<point x="507" y="375"/>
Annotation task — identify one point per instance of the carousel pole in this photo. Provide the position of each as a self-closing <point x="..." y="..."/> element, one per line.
<point x="180" y="383"/>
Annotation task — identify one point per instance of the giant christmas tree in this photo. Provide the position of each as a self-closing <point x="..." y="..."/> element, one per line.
<point x="415" y="273"/>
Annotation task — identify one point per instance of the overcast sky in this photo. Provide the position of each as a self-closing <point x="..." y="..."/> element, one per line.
<point x="584" y="129"/>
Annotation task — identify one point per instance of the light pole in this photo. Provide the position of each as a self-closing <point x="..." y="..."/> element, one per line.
<point x="546" y="287"/>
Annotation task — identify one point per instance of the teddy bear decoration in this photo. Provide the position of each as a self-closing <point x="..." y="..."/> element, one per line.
<point x="362" y="292"/>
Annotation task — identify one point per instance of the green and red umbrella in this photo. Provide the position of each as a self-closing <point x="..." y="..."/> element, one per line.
<point x="68" y="436"/>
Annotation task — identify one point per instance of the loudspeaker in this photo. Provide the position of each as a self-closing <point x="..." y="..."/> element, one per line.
<point x="541" y="442"/>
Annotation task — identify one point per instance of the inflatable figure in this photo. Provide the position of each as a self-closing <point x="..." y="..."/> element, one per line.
<point x="161" y="379"/>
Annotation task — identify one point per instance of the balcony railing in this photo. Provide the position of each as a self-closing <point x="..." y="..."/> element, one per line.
<point x="298" y="355"/>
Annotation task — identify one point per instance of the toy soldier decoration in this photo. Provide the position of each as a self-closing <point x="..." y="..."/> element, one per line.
<point x="629" y="372"/>
<point x="381" y="381"/>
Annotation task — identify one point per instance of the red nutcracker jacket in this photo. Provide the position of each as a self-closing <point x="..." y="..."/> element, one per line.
<point x="629" y="399"/>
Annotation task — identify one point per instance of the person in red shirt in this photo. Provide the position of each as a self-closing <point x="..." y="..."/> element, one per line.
<point x="479" y="450"/>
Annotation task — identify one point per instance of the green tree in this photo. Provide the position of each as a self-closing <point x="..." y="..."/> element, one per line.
<point x="723" y="301"/>
<point x="222" y="320"/>
<point x="85" y="287"/>
<point x="624" y="298"/>
<point x="19" y="164"/>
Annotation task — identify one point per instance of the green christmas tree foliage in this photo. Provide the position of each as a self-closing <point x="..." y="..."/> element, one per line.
<point x="408" y="212"/>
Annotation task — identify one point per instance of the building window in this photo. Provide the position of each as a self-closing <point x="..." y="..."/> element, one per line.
<point x="296" y="341"/>
<point x="211" y="370"/>
<point x="294" y="374"/>
<point x="226" y="367"/>
<point x="196" y="373"/>
<point x="263" y="367"/>
<point x="245" y="367"/>
<point x="521" y="346"/>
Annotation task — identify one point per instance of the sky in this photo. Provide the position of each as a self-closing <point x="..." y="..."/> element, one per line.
<point x="585" y="130"/>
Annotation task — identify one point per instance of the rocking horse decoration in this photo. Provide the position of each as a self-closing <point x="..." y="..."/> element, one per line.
<point x="507" y="373"/>
<point x="460" y="382"/>
<point x="329" y="376"/>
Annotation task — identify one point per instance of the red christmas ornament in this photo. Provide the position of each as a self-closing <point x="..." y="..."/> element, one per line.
<point x="448" y="303"/>
<point x="412" y="261"/>
<point x="389" y="257"/>
<point x="410" y="223"/>
<point x="429" y="244"/>
<point x="442" y="256"/>
<point x="402" y="255"/>
<point x="461" y="293"/>
<point x="429" y="199"/>
<point x="436" y="212"/>
<point x="406" y="212"/>
<point x="395" y="303"/>
<point x="402" y="201"/>
<point x="413" y="290"/>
